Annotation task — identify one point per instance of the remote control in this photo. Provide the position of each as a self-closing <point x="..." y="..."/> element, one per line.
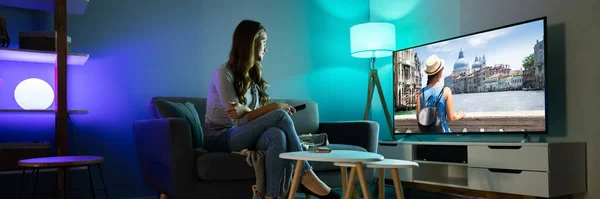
<point x="300" y="107"/>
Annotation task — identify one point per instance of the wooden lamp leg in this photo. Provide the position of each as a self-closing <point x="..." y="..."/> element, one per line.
<point x="369" y="97"/>
<point x="383" y="104"/>
<point x="374" y="82"/>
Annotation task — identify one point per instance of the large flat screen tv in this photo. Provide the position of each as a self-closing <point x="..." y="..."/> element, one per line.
<point x="496" y="78"/>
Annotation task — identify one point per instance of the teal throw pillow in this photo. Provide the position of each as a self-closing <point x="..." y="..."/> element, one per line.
<point x="186" y="111"/>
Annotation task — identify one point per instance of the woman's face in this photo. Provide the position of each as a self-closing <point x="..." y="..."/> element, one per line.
<point x="261" y="46"/>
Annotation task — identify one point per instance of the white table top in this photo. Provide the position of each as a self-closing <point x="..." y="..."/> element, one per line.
<point x="334" y="156"/>
<point x="386" y="163"/>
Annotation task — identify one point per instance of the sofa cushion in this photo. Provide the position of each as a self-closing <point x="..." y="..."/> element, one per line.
<point x="185" y="110"/>
<point x="223" y="166"/>
<point x="328" y="166"/>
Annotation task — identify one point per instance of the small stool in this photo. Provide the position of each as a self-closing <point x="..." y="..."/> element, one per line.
<point x="392" y="164"/>
<point x="62" y="163"/>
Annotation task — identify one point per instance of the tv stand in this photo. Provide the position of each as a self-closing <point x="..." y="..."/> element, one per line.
<point x="405" y="137"/>
<point x="527" y="169"/>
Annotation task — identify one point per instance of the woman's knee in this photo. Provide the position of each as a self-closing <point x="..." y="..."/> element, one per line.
<point x="277" y="138"/>
<point x="280" y="113"/>
<point x="282" y="117"/>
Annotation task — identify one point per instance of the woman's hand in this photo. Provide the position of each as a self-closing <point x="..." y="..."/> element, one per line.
<point x="286" y="107"/>
<point x="237" y="110"/>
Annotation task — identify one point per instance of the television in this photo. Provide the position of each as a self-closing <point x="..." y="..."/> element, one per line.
<point x="496" y="77"/>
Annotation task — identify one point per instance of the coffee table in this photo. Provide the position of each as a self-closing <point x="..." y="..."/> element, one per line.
<point x="392" y="164"/>
<point x="355" y="158"/>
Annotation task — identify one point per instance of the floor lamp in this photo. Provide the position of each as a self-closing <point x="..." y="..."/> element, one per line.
<point x="374" y="40"/>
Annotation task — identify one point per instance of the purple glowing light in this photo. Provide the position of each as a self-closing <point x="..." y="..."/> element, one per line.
<point x="34" y="94"/>
<point x="22" y="55"/>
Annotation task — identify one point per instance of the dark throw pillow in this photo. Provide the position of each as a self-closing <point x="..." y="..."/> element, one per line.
<point x="185" y="111"/>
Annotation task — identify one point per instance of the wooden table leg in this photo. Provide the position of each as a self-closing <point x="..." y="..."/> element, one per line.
<point x="350" y="186"/>
<point x="296" y="179"/>
<point x="362" y="179"/>
<point x="397" y="185"/>
<point x="344" y="172"/>
<point x="381" y="186"/>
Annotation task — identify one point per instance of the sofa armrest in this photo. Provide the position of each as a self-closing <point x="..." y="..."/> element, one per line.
<point x="165" y="153"/>
<point x="359" y="133"/>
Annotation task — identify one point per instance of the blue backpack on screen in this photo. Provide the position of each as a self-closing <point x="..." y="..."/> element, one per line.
<point x="429" y="116"/>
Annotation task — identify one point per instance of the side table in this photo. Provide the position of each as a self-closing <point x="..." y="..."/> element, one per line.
<point x="345" y="156"/>
<point x="61" y="163"/>
<point x="392" y="164"/>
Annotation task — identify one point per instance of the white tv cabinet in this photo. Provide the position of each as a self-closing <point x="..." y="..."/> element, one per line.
<point x="529" y="169"/>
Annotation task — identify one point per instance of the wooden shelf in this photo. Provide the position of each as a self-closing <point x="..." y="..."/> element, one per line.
<point x="41" y="111"/>
<point x="36" y="56"/>
<point x="441" y="163"/>
<point x="74" y="7"/>
<point x="442" y="174"/>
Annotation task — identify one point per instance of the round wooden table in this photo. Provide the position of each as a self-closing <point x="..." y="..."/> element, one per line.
<point x="392" y="164"/>
<point x="346" y="156"/>
<point x="61" y="163"/>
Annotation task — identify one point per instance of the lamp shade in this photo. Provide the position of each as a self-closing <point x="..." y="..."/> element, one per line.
<point x="372" y="39"/>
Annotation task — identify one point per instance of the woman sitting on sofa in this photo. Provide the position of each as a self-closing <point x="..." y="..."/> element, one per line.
<point x="239" y="115"/>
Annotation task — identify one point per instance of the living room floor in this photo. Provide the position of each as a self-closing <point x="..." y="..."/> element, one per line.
<point x="408" y="194"/>
<point x="389" y="193"/>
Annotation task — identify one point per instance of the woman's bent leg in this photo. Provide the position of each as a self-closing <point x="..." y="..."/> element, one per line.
<point x="274" y="142"/>
<point x="246" y="136"/>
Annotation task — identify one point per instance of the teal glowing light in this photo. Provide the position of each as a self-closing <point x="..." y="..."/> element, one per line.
<point x="393" y="10"/>
<point x="344" y="9"/>
<point x="372" y="39"/>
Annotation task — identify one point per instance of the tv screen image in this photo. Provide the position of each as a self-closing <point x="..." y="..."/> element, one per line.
<point x="496" y="78"/>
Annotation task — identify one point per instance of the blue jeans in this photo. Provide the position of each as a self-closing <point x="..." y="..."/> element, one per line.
<point x="273" y="132"/>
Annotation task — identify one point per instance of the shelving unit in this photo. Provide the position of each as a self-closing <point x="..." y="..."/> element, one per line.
<point x="60" y="59"/>
<point x="36" y="56"/>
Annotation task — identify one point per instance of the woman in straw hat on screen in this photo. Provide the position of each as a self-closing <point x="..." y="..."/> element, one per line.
<point x="434" y="68"/>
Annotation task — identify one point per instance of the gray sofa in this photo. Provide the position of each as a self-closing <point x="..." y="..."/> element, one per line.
<point x="171" y="166"/>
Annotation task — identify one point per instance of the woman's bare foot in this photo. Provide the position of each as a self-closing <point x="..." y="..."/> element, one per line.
<point x="314" y="184"/>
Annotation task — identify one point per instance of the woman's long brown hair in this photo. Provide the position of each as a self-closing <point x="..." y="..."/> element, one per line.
<point x="242" y="61"/>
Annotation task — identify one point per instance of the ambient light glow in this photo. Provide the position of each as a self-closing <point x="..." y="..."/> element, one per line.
<point x="36" y="56"/>
<point x="34" y="94"/>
